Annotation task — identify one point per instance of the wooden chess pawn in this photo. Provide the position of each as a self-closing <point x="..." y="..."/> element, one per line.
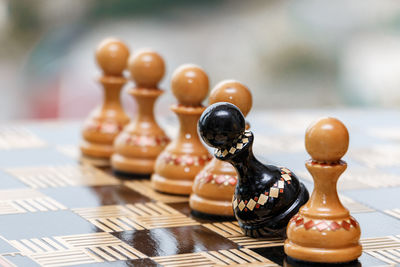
<point x="141" y="141"/>
<point x="266" y="196"/>
<point x="106" y="122"/>
<point x="214" y="186"/>
<point x="323" y="230"/>
<point x="177" y="166"/>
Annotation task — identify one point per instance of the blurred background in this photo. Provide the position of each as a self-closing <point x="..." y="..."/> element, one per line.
<point x="291" y="54"/>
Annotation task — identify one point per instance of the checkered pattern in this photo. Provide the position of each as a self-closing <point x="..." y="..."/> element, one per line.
<point x="244" y="139"/>
<point x="260" y="200"/>
<point x="55" y="212"/>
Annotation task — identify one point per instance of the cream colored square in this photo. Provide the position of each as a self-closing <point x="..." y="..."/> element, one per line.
<point x="241" y="205"/>
<point x="251" y="204"/>
<point x="281" y="184"/>
<point x="232" y="150"/>
<point x="262" y="199"/>
<point x="274" y="192"/>
<point x="239" y="146"/>
<point x="245" y="140"/>
<point x="235" y="204"/>
<point x="286" y="177"/>
<point x="286" y="170"/>
<point x="225" y="153"/>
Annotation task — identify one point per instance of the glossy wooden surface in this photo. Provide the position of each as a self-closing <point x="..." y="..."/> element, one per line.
<point x="57" y="211"/>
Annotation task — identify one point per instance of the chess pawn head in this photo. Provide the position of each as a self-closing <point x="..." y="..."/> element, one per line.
<point x="323" y="230"/>
<point x="214" y="186"/>
<point x="221" y="125"/>
<point x="190" y="85"/>
<point x="112" y="55"/>
<point x="185" y="156"/>
<point x="232" y="92"/>
<point x="327" y="140"/>
<point x="147" y="68"/>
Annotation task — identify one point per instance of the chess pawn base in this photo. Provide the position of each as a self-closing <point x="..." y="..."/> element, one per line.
<point x="180" y="162"/>
<point x="104" y="124"/>
<point x="98" y="162"/>
<point x="213" y="189"/>
<point x="141" y="141"/>
<point x="335" y="255"/>
<point x="132" y="166"/>
<point x="291" y="262"/>
<point x="326" y="234"/>
<point x="96" y="154"/>
<point x="174" y="173"/>
<point x="175" y="187"/>
<point x="129" y="175"/>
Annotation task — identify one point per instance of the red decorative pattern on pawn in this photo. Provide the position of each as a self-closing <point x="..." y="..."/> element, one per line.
<point x="186" y="160"/>
<point x="220" y="179"/>
<point x="145" y="140"/>
<point x="262" y="199"/>
<point x="103" y="127"/>
<point x="323" y="225"/>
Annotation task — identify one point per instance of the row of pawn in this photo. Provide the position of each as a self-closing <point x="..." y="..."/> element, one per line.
<point x="141" y="148"/>
<point x="265" y="199"/>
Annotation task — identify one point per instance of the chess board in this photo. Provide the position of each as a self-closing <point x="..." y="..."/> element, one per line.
<point x="57" y="212"/>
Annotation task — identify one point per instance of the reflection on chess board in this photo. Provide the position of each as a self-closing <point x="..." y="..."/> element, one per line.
<point x="55" y="212"/>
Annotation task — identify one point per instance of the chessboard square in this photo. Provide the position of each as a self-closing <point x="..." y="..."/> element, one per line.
<point x="94" y="196"/>
<point x="160" y="216"/>
<point x="6" y="247"/>
<point x="65" y="258"/>
<point x="145" y="189"/>
<point x="369" y="260"/>
<point x="19" y="260"/>
<point x="232" y="150"/>
<point x="58" y="132"/>
<point x="62" y="175"/>
<point x="10" y="182"/>
<point x="381" y="199"/>
<point x="147" y="262"/>
<point x="384" y="225"/>
<point x="275" y="254"/>
<point x="17" y="137"/>
<point x="32" y="157"/>
<point x="186" y="239"/>
<point x="55" y="223"/>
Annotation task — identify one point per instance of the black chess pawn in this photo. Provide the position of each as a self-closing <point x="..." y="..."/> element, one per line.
<point x="266" y="197"/>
